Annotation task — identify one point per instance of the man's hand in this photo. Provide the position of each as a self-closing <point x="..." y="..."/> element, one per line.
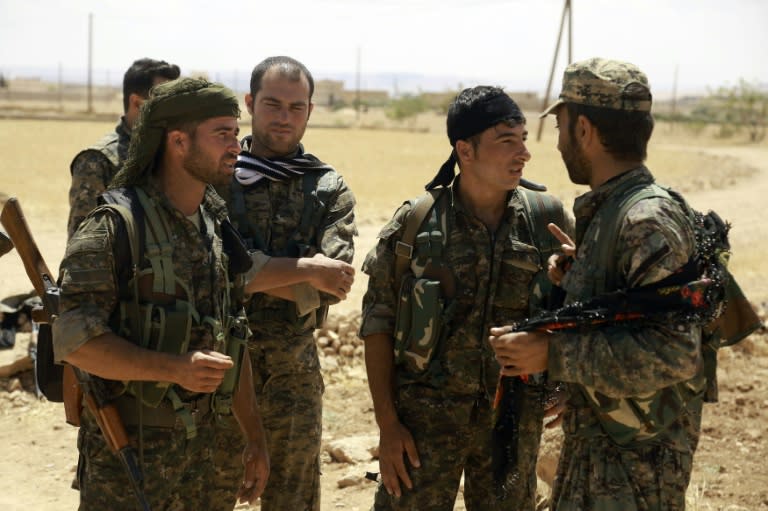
<point x="556" y="265"/>
<point x="202" y="371"/>
<point x="393" y="442"/>
<point x="329" y="275"/>
<point x="520" y="352"/>
<point x="256" y="463"/>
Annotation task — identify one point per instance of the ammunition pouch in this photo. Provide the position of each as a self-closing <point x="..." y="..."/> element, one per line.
<point x="164" y="329"/>
<point x="421" y="318"/>
<point x="163" y="415"/>
<point x="237" y="335"/>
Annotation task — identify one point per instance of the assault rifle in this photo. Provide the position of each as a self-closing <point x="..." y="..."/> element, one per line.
<point x="705" y="301"/>
<point x="77" y="384"/>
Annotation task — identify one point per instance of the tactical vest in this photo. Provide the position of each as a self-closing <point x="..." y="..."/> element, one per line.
<point x="157" y="310"/>
<point x="318" y="188"/>
<point x="424" y="310"/>
<point x="631" y="421"/>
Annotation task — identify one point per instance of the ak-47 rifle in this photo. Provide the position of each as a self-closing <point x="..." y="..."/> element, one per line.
<point x="77" y="384"/>
<point x="711" y="302"/>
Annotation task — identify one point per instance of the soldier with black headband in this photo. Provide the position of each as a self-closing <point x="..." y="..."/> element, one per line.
<point x="471" y="263"/>
<point x="146" y="306"/>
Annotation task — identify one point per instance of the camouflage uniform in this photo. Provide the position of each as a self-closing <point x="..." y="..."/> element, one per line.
<point x="92" y="170"/>
<point x="448" y="409"/>
<point x="643" y="470"/>
<point x="287" y="379"/>
<point x="177" y="470"/>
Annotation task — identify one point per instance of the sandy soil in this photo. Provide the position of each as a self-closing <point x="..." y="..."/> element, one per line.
<point x="39" y="453"/>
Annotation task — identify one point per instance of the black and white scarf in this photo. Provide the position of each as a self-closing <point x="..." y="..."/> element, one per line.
<point x="250" y="168"/>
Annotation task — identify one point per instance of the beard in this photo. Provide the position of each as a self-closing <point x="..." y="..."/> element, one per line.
<point x="578" y="166"/>
<point x="274" y="146"/>
<point x="204" y="168"/>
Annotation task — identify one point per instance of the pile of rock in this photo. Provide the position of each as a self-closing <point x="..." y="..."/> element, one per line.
<point x="337" y="341"/>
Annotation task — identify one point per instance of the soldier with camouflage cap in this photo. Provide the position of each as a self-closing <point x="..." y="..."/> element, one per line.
<point x="435" y="417"/>
<point x="296" y="214"/>
<point x="634" y="410"/>
<point x="185" y="140"/>
<point x="92" y="169"/>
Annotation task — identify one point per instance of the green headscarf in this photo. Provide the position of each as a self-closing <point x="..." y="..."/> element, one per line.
<point x="171" y="104"/>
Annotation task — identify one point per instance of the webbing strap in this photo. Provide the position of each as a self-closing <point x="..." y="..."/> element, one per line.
<point x="417" y="216"/>
<point x="618" y="211"/>
<point x="542" y="210"/>
<point x="158" y="247"/>
<point x="183" y="412"/>
<point x="309" y="189"/>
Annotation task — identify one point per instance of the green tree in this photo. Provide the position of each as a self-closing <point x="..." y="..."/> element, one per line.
<point x="737" y="108"/>
<point x="406" y="106"/>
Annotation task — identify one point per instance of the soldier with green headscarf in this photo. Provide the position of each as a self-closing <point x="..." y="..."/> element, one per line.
<point x="145" y="306"/>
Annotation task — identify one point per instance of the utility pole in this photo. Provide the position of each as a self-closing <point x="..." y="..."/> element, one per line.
<point x="357" y="86"/>
<point x="61" y="89"/>
<point x="673" y="115"/>
<point x="90" y="63"/>
<point x="567" y="12"/>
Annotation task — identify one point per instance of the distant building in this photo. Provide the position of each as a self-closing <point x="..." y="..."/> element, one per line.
<point x="332" y="93"/>
<point x="328" y="92"/>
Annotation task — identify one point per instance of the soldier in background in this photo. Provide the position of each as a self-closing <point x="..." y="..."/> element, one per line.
<point x="296" y="215"/>
<point x="93" y="168"/>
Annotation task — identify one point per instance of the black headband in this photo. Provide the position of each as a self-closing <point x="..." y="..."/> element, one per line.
<point x="465" y="121"/>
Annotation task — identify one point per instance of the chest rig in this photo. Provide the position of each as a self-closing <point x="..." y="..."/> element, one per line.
<point x="317" y="188"/>
<point x="157" y="309"/>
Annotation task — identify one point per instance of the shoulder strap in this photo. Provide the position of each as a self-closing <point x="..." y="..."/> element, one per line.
<point x="315" y="190"/>
<point x="414" y="221"/>
<point x="543" y="209"/>
<point x="123" y="201"/>
<point x="608" y="247"/>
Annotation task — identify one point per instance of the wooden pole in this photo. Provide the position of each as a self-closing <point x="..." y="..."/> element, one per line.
<point x="357" y="87"/>
<point x="90" y="62"/>
<point x="566" y="10"/>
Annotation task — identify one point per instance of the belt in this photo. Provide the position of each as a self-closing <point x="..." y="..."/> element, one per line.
<point x="164" y="416"/>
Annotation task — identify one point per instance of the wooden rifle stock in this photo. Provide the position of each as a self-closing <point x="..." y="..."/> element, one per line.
<point x="77" y="384"/>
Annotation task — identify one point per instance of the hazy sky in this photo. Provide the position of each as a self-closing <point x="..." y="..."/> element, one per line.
<point x="501" y="42"/>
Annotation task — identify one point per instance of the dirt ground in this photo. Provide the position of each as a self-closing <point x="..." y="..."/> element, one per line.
<point x="39" y="455"/>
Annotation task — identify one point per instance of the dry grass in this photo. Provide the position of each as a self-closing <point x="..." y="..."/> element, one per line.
<point x="382" y="167"/>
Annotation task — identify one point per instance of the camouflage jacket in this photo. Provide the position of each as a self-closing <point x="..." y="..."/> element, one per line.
<point x="635" y="361"/>
<point x="283" y="329"/>
<point x="493" y="275"/>
<point x="92" y="170"/>
<point x="95" y="271"/>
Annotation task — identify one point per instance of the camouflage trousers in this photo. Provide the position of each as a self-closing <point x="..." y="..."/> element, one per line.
<point x="291" y="408"/>
<point x="595" y="474"/>
<point x="453" y="436"/>
<point x="177" y="471"/>
<point x="228" y="460"/>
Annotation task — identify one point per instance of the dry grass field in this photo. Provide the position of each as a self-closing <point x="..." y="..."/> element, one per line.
<point x="383" y="168"/>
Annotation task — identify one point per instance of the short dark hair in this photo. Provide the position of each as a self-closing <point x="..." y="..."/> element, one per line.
<point x="287" y="66"/>
<point x="623" y="133"/>
<point x="142" y="74"/>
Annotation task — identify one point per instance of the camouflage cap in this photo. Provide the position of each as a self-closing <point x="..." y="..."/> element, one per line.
<point x="169" y="104"/>
<point x="604" y="83"/>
